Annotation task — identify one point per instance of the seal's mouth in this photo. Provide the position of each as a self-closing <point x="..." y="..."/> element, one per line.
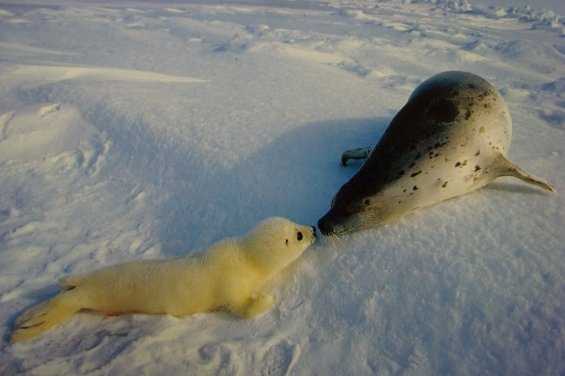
<point x="338" y="224"/>
<point x="328" y="226"/>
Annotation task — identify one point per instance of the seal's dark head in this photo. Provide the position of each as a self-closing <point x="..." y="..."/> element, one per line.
<point x="355" y="207"/>
<point x="336" y="220"/>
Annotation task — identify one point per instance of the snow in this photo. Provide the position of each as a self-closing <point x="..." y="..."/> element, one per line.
<point x="139" y="130"/>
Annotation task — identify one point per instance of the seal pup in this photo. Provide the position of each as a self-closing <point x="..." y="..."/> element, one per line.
<point x="450" y="138"/>
<point x="230" y="275"/>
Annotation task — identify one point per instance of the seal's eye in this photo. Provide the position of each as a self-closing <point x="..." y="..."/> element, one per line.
<point x="299" y="236"/>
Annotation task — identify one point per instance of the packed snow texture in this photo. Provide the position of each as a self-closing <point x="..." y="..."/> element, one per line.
<point x="150" y="130"/>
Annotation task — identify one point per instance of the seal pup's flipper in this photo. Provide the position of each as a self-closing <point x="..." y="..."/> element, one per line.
<point x="44" y="316"/>
<point x="503" y="167"/>
<point x="358" y="153"/>
<point x="256" y="305"/>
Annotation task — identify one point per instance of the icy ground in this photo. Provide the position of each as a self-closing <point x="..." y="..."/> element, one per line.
<point x="149" y="130"/>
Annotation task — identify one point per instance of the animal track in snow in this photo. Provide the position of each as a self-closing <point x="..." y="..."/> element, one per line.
<point x="48" y="109"/>
<point x="219" y="357"/>
<point x="4" y="121"/>
<point x="279" y="359"/>
<point x="555" y="118"/>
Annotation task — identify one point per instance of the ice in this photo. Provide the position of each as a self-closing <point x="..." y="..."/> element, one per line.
<point x="138" y="129"/>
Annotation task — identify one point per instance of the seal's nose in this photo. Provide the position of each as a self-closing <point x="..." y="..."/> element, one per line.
<point x="314" y="231"/>
<point x="325" y="225"/>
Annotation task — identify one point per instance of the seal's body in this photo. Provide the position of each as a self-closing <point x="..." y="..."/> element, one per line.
<point x="230" y="275"/>
<point x="450" y="138"/>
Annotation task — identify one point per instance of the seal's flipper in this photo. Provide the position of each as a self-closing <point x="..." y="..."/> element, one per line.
<point x="503" y="167"/>
<point x="359" y="153"/>
<point x="254" y="306"/>
<point x="44" y="316"/>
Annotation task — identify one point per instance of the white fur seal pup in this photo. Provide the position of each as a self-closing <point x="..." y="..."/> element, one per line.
<point x="229" y="275"/>
<point x="450" y="138"/>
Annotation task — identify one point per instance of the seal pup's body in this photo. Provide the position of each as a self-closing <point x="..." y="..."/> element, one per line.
<point x="230" y="275"/>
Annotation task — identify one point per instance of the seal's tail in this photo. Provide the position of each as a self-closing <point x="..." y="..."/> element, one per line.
<point x="503" y="167"/>
<point x="44" y="316"/>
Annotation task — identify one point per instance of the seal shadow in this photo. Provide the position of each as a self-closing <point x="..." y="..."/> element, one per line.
<point x="294" y="176"/>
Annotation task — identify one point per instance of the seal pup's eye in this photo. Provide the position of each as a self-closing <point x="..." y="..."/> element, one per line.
<point x="299" y="236"/>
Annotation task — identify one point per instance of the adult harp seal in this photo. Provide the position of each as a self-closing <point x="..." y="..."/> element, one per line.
<point x="450" y="138"/>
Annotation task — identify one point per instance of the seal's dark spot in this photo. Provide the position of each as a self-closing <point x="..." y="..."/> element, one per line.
<point x="444" y="185"/>
<point x="415" y="188"/>
<point x="467" y="114"/>
<point x="443" y="111"/>
<point x="416" y="173"/>
<point x="477" y="153"/>
<point x="367" y="202"/>
<point x="412" y="165"/>
<point x="457" y="164"/>
<point x="477" y="168"/>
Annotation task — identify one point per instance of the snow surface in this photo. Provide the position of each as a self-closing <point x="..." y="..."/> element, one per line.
<point x="145" y="130"/>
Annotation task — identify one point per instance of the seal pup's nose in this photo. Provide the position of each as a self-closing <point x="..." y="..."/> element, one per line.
<point x="314" y="231"/>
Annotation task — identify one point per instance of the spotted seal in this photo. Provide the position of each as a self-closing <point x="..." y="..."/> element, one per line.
<point x="450" y="138"/>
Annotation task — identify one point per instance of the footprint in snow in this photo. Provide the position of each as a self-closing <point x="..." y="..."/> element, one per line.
<point x="48" y="109"/>
<point x="219" y="357"/>
<point x="279" y="359"/>
<point x="554" y="118"/>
